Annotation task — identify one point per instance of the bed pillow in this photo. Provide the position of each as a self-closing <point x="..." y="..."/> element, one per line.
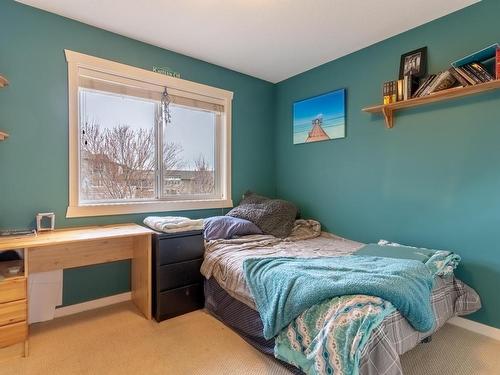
<point x="409" y="252"/>
<point x="273" y="216"/>
<point x="224" y="227"/>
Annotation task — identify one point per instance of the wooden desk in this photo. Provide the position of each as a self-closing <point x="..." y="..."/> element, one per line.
<point x="77" y="247"/>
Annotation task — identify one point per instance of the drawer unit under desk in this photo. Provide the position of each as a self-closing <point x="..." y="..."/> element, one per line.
<point x="13" y="289"/>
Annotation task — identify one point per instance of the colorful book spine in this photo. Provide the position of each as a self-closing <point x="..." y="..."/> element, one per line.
<point x="390" y="92"/>
<point x="400" y="90"/>
<point x="385" y="93"/>
<point x="497" y="61"/>
<point x="481" y="71"/>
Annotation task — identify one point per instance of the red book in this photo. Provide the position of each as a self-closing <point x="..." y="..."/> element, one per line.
<point x="498" y="64"/>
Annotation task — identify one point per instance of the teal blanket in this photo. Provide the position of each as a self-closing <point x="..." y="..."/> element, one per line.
<point x="283" y="288"/>
<point x="328" y="337"/>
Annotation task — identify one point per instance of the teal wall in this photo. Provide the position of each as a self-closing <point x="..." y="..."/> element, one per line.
<point x="34" y="110"/>
<point x="433" y="180"/>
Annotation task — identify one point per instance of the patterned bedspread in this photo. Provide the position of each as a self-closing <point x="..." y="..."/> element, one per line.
<point x="393" y="337"/>
<point x="224" y="258"/>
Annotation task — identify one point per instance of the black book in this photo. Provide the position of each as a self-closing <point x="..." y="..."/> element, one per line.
<point x="465" y="75"/>
<point x="472" y="74"/>
<point x="410" y="85"/>
<point x="481" y="71"/>
<point x="459" y="77"/>
<point x="427" y="90"/>
<point x="424" y="85"/>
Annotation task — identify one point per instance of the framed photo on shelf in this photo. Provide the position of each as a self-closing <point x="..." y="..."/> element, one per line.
<point x="414" y="63"/>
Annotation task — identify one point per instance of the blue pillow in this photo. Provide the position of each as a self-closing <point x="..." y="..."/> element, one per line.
<point x="225" y="227"/>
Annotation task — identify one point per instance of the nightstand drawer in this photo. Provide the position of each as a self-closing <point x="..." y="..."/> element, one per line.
<point x="173" y="276"/>
<point x="13" y="312"/>
<point x="12" y="289"/>
<point x="180" y="301"/>
<point x="180" y="249"/>
<point x="13" y="334"/>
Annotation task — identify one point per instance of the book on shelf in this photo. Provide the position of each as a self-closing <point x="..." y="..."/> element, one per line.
<point x="471" y="73"/>
<point x="465" y="75"/>
<point x="385" y="93"/>
<point x="481" y="71"/>
<point x="445" y="80"/>
<point x="400" y="95"/>
<point x="497" y="64"/>
<point x="437" y="82"/>
<point x="390" y="92"/>
<point x="459" y="77"/>
<point x="410" y="86"/>
<point x="424" y="85"/>
<point x="430" y="86"/>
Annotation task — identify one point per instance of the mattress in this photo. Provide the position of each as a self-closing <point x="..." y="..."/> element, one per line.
<point x="242" y="319"/>
<point x="228" y="296"/>
<point x="393" y="337"/>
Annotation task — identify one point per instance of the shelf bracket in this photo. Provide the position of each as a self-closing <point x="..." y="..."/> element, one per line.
<point x="388" y="117"/>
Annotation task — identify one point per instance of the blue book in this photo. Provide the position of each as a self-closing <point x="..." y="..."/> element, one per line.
<point x="482" y="55"/>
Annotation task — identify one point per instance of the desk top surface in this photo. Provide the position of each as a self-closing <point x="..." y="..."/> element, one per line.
<point x="69" y="235"/>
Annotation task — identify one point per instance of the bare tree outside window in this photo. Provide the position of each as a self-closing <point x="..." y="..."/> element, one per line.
<point x="118" y="160"/>
<point x="204" y="180"/>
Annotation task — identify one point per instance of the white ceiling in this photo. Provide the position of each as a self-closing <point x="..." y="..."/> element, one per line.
<point x="268" y="39"/>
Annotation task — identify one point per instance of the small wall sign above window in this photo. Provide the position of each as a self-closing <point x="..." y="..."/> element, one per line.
<point x="166" y="71"/>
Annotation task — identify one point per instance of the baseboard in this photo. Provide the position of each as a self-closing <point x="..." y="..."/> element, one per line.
<point x="476" y="327"/>
<point x="90" y="305"/>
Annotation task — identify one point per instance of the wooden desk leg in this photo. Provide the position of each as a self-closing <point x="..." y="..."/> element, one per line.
<point x="141" y="274"/>
<point x="26" y="348"/>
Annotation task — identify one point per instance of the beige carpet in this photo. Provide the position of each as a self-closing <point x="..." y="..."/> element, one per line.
<point x="116" y="340"/>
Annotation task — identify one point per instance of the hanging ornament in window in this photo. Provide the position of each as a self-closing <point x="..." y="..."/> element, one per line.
<point x="165" y="116"/>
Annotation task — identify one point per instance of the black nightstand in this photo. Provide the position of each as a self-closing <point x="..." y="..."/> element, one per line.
<point x="177" y="281"/>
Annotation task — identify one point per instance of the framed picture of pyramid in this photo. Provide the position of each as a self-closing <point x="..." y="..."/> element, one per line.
<point x="320" y="118"/>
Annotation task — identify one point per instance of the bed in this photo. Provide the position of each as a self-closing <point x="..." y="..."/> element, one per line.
<point x="229" y="299"/>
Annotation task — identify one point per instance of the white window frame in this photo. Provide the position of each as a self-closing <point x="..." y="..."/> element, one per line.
<point x="177" y="86"/>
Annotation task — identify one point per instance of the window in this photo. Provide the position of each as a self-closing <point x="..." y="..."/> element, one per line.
<point x="125" y="159"/>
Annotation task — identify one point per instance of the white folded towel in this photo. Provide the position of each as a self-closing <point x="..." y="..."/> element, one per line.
<point x="173" y="224"/>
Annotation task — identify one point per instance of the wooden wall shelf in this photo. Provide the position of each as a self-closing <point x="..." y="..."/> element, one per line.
<point x="3" y="81"/>
<point x="388" y="109"/>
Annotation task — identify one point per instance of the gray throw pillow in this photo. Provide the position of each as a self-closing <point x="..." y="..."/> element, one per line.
<point x="225" y="227"/>
<point x="272" y="216"/>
